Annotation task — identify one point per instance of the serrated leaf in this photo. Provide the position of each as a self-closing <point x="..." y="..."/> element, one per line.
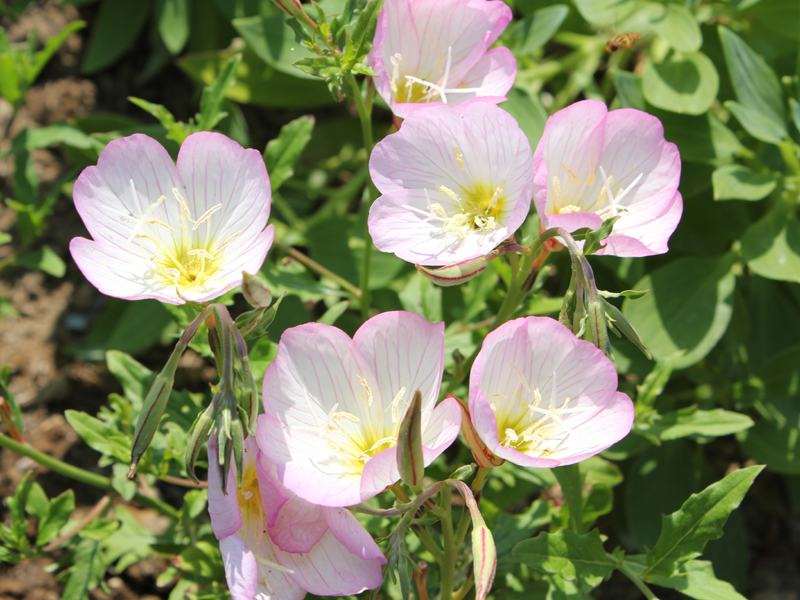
<point x="58" y="512"/>
<point x="577" y="558"/>
<point x="685" y="533"/>
<point x="363" y="32"/>
<point x="85" y="573"/>
<point x="282" y="153"/>
<point x="318" y="66"/>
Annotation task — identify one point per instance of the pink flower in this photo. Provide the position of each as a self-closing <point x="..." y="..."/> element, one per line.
<point x="592" y="164"/>
<point x="437" y="52"/>
<point x="454" y="185"/>
<point x="334" y="405"/>
<point x="275" y="545"/>
<point x="176" y="234"/>
<point x="540" y="397"/>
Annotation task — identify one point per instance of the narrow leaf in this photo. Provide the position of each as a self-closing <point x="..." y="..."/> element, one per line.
<point x="283" y="152"/>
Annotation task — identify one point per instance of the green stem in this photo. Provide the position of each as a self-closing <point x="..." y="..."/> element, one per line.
<point x="318" y="268"/>
<point x="463" y="526"/>
<point x="365" y="115"/>
<point x="430" y="544"/>
<point x="448" y="564"/>
<point x="81" y="475"/>
<point x="625" y="570"/>
<point x="787" y="149"/>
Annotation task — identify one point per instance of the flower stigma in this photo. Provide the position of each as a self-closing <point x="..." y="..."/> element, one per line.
<point x="186" y="257"/>
<point x="525" y="424"/>
<point x="412" y="89"/>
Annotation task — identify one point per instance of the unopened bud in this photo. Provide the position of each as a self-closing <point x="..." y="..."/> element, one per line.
<point x="237" y="441"/>
<point x="248" y="400"/>
<point x="157" y="397"/>
<point x="224" y="438"/>
<point x="197" y="438"/>
<point x="410" y="460"/>
<point x="464" y="472"/>
<point x="483" y="456"/>
<point x="295" y="9"/>
<point x="253" y="324"/>
<point x="484" y="552"/>
<point x="455" y="274"/>
<point x="7" y="417"/>
<point x="255" y="291"/>
<point x="617" y="320"/>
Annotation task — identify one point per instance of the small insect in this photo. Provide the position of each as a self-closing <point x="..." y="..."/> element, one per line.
<point x="622" y="41"/>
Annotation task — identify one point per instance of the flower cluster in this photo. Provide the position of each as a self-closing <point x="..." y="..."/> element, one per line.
<point x="457" y="181"/>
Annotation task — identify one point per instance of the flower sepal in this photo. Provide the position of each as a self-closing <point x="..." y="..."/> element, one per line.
<point x="410" y="460"/>
<point x="463" y="271"/>
<point x="483" y="456"/>
<point x="254" y="323"/>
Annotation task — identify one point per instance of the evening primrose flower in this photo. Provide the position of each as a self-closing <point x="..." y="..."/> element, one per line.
<point x="334" y="405"/>
<point x="437" y="52"/>
<point x="276" y="545"/>
<point x="454" y="185"/>
<point x="592" y="164"/>
<point x="540" y="397"/>
<point x="174" y="233"/>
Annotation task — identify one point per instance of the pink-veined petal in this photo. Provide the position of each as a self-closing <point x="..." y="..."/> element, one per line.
<point x="351" y="534"/>
<point x="299" y="526"/>
<point x="241" y="568"/>
<point x="331" y="570"/>
<point x="442" y="429"/>
<point x="380" y="472"/>
<point x="226" y="519"/>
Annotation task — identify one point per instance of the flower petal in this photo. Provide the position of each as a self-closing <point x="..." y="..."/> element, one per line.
<point x="351" y="534"/>
<point x="380" y="472"/>
<point x="241" y="568"/>
<point x="494" y="74"/>
<point x="226" y="519"/>
<point x="299" y="526"/>
<point x="441" y="430"/>
<point x="330" y="570"/>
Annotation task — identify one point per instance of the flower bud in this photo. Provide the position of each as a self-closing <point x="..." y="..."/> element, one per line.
<point x="7" y="417"/>
<point x="237" y="440"/>
<point x="483" y="456"/>
<point x="248" y="399"/>
<point x="455" y="274"/>
<point x="255" y="291"/>
<point x="617" y="320"/>
<point x="294" y="9"/>
<point x="157" y="397"/>
<point x="411" y="462"/>
<point x="197" y="438"/>
<point x="253" y="324"/>
<point x="484" y="552"/>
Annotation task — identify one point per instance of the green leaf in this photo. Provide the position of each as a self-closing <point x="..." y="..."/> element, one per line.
<point x="687" y="84"/>
<point x="173" y="21"/>
<point x="282" y="153"/>
<point x="45" y="260"/>
<point x="257" y="82"/>
<point x="754" y="82"/>
<point x="606" y="12"/>
<point x="175" y="131"/>
<point x="10" y="82"/>
<point x="679" y="27"/>
<point x="688" y="309"/>
<point x="771" y="246"/>
<point x="685" y="533"/>
<point x="529" y="113"/>
<point x="701" y="139"/>
<point x="113" y="31"/>
<point x="779" y="16"/>
<point x="214" y="94"/>
<point x="594" y="237"/>
<point x="100" y="436"/>
<point x="776" y="445"/>
<point x="36" y="504"/>
<point x="58" y="133"/>
<point x="58" y="512"/>
<point x="44" y="55"/>
<point x="5" y="376"/>
<point x="130" y="327"/>
<point x="696" y="579"/>
<point x="194" y="502"/>
<point x="795" y="107"/>
<point x="757" y="124"/>
<point x="571" y="482"/>
<point x="87" y="569"/>
<point x="122" y="485"/>
<point x="534" y="31"/>
<point x="691" y="421"/>
<point x="735" y="182"/>
<point x="273" y="41"/>
<point x="334" y="312"/>
<point x="578" y="558"/>
<point x="134" y="377"/>
<point x="363" y="32"/>
<point x="421" y="296"/>
<point x="629" y="90"/>
<point x="16" y="506"/>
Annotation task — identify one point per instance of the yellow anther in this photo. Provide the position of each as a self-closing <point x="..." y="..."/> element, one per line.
<point x="161" y="224"/>
<point x="459" y="157"/>
<point x="206" y="215"/>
